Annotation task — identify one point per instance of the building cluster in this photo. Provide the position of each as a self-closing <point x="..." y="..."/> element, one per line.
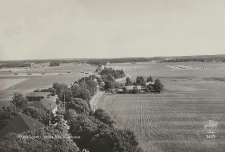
<point x="22" y="122"/>
<point x="138" y="88"/>
<point x="43" y="100"/>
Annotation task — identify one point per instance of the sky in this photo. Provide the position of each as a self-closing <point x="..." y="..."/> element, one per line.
<point x="48" y="29"/>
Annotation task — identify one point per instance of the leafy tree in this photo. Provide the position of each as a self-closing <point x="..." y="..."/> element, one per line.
<point x="83" y="127"/>
<point x="118" y="85"/>
<point x="108" y="77"/>
<point x="60" y="88"/>
<point x="11" y="142"/>
<point x="115" y="73"/>
<point x="82" y="84"/>
<point x="140" y="80"/>
<point x="44" y="116"/>
<point x="60" y="124"/>
<point x="92" y="87"/>
<point x="109" y="85"/>
<point x="158" y="86"/>
<point x="79" y="105"/>
<point x="111" y="140"/>
<point x="104" y="117"/>
<point x="19" y="101"/>
<point x="149" y="79"/>
<point x="68" y="95"/>
<point x="69" y="114"/>
<point x="128" y="82"/>
<point x="7" y="114"/>
<point x="75" y="89"/>
<point x="84" y="94"/>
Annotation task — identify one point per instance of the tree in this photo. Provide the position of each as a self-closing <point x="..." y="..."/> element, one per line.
<point x="91" y="86"/>
<point x="60" y="87"/>
<point x="83" y="127"/>
<point x="79" y="105"/>
<point x="7" y="114"/>
<point x="118" y="85"/>
<point x="60" y="124"/>
<point x="111" y="140"/>
<point x="108" y="77"/>
<point x="19" y="100"/>
<point x="140" y="80"/>
<point x="44" y="116"/>
<point x="69" y="114"/>
<point x="75" y="89"/>
<point x="104" y="117"/>
<point x="68" y="95"/>
<point x="84" y="94"/>
<point x="109" y="85"/>
<point x="158" y="86"/>
<point x="128" y="82"/>
<point x="12" y="142"/>
<point x="149" y="79"/>
<point x="82" y="84"/>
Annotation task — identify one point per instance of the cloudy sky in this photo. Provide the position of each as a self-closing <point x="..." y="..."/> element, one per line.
<point x="42" y="29"/>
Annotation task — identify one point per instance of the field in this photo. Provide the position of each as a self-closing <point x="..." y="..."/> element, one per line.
<point x="7" y="83"/>
<point x="38" y="81"/>
<point x="173" y="121"/>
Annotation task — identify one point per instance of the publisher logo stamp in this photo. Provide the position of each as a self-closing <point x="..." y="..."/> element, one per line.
<point x="211" y="127"/>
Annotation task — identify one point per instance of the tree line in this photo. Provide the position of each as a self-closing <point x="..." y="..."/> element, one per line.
<point x="15" y="65"/>
<point x="115" y="73"/>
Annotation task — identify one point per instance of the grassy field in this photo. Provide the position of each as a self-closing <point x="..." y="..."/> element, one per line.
<point x="173" y="121"/>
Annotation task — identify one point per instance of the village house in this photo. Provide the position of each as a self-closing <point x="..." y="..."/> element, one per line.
<point x="129" y="88"/>
<point x="139" y="88"/>
<point x="37" y="96"/>
<point x="46" y="104"/>
<point x="19" y="124"/>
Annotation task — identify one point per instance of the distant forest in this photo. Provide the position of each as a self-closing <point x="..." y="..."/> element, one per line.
<point x="57" y="62"/>
<point x="14" y="64"/>
<point x="200" y="59"/>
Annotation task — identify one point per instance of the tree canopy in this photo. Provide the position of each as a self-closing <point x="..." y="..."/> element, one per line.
<point x="79" y="105"/>
<point x="158" y="86"/>
<point x="19" y="101"/>
<point x="37" y="141"/>
<point x="140" y="80"/>
<point x="128" y="82"/>
<point x="111" y="140"/>
<point x="104" y="117"/>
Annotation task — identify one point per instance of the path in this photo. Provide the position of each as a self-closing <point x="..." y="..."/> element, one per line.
<point x="95" y="99"/>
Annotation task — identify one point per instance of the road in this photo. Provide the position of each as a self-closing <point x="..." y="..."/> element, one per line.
<point x="95" y="99"/>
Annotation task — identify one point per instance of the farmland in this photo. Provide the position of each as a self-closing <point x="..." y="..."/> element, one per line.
<point x="171" y="121"/>
<point x="174" y="120"/>
<point x="38" y="81"/>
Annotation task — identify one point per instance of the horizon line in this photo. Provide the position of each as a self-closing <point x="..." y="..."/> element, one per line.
<point x="111" y="58"/>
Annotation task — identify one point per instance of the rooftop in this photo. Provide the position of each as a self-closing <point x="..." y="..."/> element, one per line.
<point x="46" y="104"/>
<point x="37" y="94"/>
<point x="21" y="123"/>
